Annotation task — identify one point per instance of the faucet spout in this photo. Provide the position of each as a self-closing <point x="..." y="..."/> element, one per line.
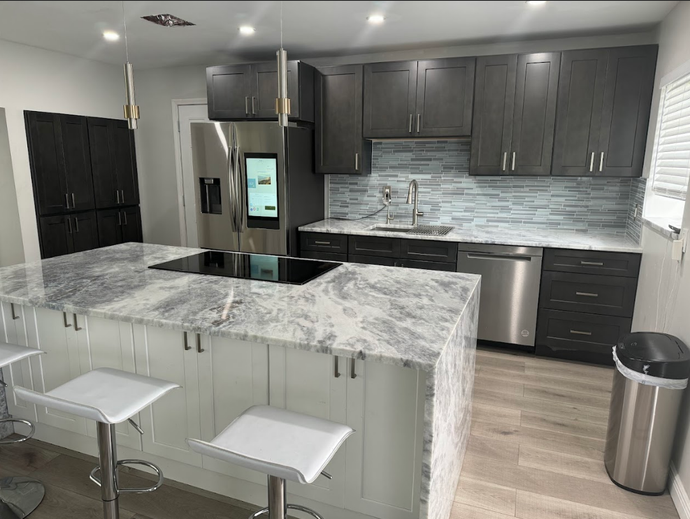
<point x="414" y="187"/>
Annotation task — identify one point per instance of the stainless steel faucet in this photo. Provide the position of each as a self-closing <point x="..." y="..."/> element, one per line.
<point x="415" y="211"/>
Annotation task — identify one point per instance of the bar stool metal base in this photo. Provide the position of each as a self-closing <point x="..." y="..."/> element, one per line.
<point x="277" y="507"/>
<point x="19" y="496"/>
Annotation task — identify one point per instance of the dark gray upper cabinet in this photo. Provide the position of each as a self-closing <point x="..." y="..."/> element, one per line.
<point x="604" y="101"/>
<point x="535" y="114"/>
<point x="625" y="114"/>
<point x="390" y="95"/>
<point x="240" y="92"/>
<point x="340" y="147"/>
<point x="494" y="102"/>
<point x="445" y="93"/>
<point x="419" y="99"/>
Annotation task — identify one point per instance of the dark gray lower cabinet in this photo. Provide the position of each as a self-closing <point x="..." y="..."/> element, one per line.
<point x="328" y="256"/>
<point x="117" y="226"/>
<point x="67" y="234"/>
<point x="373" y="260"/>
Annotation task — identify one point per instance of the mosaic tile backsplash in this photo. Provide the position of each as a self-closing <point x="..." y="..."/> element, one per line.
<point x="448" y="194"/>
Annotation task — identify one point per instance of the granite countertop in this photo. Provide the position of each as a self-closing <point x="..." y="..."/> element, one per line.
<point x="497" y="235"/>
<point x="397" y="316"/>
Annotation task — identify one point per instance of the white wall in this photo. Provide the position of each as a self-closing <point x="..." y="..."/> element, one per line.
<point x="37" y="79"/>
<point x="11" y="247"/>
<point x="663" y="294"/>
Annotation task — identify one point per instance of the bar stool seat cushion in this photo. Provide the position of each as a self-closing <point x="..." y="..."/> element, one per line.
<point x="105" y="395"/>
<point x="10" y="353"/>
<point x="277" y="442"/>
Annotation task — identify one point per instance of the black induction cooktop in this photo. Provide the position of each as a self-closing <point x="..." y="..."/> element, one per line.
<point x="278" y="269"/>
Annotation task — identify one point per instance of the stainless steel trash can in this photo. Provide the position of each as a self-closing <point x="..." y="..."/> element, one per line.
<point x="652" y="371"/>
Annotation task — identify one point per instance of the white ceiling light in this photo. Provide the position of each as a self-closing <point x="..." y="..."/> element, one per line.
<point x="247" y="30"/>
<point x="376" y="19"/>
<point x="111" y="35"/>
<point x="536" y="2"/>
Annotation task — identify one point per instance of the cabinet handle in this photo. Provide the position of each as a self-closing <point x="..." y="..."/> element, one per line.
<point x="337" y="371"/>
<point x="246" y="105"/>
<point x="67" y="200"/>
<point x="601" y="162"/>
<point x="409" y="127"/>
<point x="69" y="224"/>
<point x="586" y="294"/>
<point x="505" y="160"/>
<point x="74" y="204"/>
<point x="187" y="347"/>
<point x="353" y="374"/>
<point x="578" y="332"/>
<point x="322" y="242"/>
<point x="124" y="213"/>
<point x="199" y="349"/>
<point x="592" y="263"/>
<point x="591" y="163"/>
<point x="512" y="162"/>
<point x="76" y="224"/>
<point x="122" y="197"/>
<point x="356" y="161"/>
<point x="64" y="320"/>
<point x="419" y="121"/>
<point x="14" y="314"/>
<point x="76" y="323"/>
<point x="253" y="110"/>
<point x="119" y="218"/>
<point x="117" y="194"/>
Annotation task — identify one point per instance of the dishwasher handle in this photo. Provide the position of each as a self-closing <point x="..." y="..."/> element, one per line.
<point x="497" y="256"/>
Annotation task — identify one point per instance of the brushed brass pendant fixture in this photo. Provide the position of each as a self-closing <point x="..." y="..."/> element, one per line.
<point x="282" y="102"/>
<point x="131" y="108"/>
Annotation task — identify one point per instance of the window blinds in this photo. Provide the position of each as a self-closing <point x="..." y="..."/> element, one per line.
<point x="672" y="157"/>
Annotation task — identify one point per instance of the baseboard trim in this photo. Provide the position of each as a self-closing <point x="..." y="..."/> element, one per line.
<point x="679" y="495"/>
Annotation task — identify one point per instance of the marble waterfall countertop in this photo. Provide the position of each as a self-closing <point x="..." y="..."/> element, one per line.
<point x="497" y="235"/>
<point x="397" y="316"/>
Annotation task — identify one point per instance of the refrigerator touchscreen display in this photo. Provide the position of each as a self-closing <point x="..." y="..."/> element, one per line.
<point x="262" y="185"/>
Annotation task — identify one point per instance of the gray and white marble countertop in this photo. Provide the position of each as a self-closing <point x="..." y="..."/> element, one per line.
<point x="398" y="316"/>
<point x="498" y="235"/>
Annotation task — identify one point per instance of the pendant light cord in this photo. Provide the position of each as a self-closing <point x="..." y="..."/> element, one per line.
<point x="281" y="24"/>
<point x="124" y="23"/>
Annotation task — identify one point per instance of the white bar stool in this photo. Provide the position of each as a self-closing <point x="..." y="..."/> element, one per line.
<point x="109" y="397"/>
<point x="19" y="496"/>
<point x="282" y="444"/>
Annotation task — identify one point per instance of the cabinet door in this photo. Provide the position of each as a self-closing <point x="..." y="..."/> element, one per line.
<point x="125" y="161"/>
<point x="625" y="115"/>
<point x="13" y="331"/>
<point x="385" y="406"/>
<point x="535" y="113"/>
<point x="84" y="231"/>
<point x="53" y="332"/>
<point x="229" y="90"/>
<point x="104" y="343"/>
<point x="445" y="92"/>
<point x="104" y="169"/>
<point x="493" y="114"/>
<point x="109" y="227"/>
<point x="390" y="93"/>
<point x="75" y="145"/>
<point x="171" y="420"/>
<point x="233" y="376"/>
<point x="131" y="224"/>
<point x="313" y="384"/>
<point x="578" y="113"/>
<point x="300" y="87"/>
<point x="56" y="236"/>
<point x="47" y="162"/>
<point x="340" y="148"/>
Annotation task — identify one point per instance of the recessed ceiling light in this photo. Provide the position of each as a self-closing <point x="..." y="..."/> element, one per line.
<point x="536" y="2"/>
<point x="376" y="19"/>
<point x="247" y="30"/>
<point x="111" y="35"/>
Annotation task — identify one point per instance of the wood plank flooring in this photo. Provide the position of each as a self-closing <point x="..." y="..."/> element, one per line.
<point x="535" y="452"/>
<point x="537" y="442"/>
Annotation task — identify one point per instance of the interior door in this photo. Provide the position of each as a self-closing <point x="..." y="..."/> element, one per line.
<point x="75" y="145"/>
<point x="390" y="94"/>
<point x="494" y="102"/>
<point x="535" y="113"/>
<point x="106" y="189"/>
<point x="84" y="231"/>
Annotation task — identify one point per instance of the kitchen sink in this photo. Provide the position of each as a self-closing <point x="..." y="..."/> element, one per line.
<point x="419" y="230"/>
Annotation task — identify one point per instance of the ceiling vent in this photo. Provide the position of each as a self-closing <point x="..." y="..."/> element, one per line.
<point x="167" y="20"/>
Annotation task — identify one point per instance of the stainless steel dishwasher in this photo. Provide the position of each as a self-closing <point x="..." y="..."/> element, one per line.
<point x="510" y="290"/>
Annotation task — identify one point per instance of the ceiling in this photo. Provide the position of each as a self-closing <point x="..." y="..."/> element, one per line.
<point x="311" y="29"/>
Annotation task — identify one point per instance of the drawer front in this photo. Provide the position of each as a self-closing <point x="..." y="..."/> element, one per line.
<point x="426" y="250"/>
<point x="587" y="262"/>
<point x="325" y="242"/>
<point x="373" y="260"/>
<point x="590" y="294"/>
<point x="328" y="256"/>
<point x="374" y="246"/>
<point x="579" y="336"/>
<point x="427" y="265"/>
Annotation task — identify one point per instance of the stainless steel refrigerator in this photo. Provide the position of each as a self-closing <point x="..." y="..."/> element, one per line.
<point x="254" y="185"/>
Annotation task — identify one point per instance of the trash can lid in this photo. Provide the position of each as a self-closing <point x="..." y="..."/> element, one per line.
<point x="656" y="354"/>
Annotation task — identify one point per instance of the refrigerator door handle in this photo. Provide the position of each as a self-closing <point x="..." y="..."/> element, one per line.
<point x="231" y="182"/>
<point x="242" y="190"/>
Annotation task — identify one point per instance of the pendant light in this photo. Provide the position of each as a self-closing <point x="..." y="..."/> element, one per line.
<point x="282" y="102"/>
<point x="131" y="109"/>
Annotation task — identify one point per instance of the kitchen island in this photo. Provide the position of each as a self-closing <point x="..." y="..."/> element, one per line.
<point x="388" y="351"/>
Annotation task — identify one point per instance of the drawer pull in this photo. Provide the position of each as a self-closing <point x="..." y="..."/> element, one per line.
<point x="322" y="242"/>
<point x="578" y="332"/>
<point x="586" y="294"/>
<point x="592" y="263"/>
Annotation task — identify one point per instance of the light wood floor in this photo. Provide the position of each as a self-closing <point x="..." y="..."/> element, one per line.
<point x="535" y="452"/>
<point x="536" y="448"/>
